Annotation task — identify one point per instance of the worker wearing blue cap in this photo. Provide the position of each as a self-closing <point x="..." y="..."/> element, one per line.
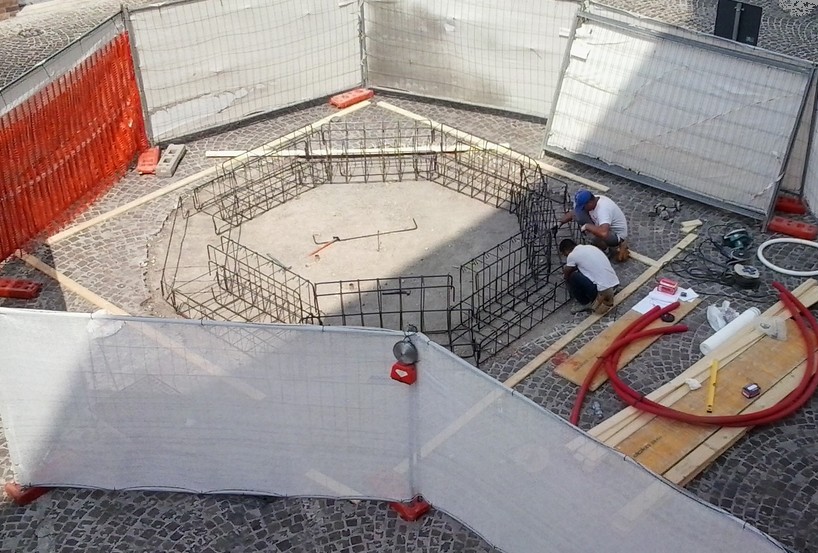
<point x="602" y="221"/>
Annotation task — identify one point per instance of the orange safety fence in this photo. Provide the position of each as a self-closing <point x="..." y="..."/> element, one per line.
<point x="67" y="144"/>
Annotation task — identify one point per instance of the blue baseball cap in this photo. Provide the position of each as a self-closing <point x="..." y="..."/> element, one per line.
<point x="581" y="198"/>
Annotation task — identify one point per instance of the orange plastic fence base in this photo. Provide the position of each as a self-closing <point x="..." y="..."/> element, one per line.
<point x="790" y="204"/>
<point x="793" y="228"/>
<point x="346" y="99"/>
<point x="21" y="495"/>
<point x="412" y="510"/>
<point x="148" y="160"/>
<point x="19" y="289"/>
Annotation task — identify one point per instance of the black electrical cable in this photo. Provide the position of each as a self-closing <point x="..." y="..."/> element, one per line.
<point x="712" y="262"/>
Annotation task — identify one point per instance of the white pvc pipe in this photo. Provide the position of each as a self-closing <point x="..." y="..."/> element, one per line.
<point x="729" y="330"/>
<point x="777" y="269"/>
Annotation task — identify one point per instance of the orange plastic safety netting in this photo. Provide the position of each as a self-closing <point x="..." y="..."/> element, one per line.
<point x="67" y="144"/>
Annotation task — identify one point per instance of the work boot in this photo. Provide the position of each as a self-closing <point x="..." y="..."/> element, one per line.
<point x="604" y="301"/>
<point x="622" y="252"/>
<point x="578" y="308"/>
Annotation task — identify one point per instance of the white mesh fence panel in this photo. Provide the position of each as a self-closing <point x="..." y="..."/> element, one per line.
<point x="480" y="52"/>
<point x="811" y="177"/>
<point x="173" y="404"/>
<point x="126" y="402"/>
<point x="207" y="63"/>
<point x="528" y="481"/>
<point x="706" y="123"/>
<point x="793" y="175"/>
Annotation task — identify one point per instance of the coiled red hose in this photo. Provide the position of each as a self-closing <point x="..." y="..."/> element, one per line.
<point x="622" y="341"/>
<point x="808" y="328"/>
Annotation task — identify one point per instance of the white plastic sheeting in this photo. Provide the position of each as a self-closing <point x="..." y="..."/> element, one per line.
<point x="690" y="118"/>
<point x="481" y="52"/>
<point x="208" y="63"/>
<point x="48" y="71"/>
<point x="115" y="402"/>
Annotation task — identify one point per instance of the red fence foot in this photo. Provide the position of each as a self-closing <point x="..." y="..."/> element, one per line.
<point x="19" y="289"/>
<point x="412" y="510"/>
<point x="790" y="204"/>
<point x="793" y="228"/>
<point x="21" y="495"/>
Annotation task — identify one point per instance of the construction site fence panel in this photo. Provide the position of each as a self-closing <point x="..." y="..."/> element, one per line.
<point x="207" y="407"/>
<point x="811" y="174"/>
<point x="204" y="64"/>
<point x="481" y="52"/>
<point x="677" y="111"/>
<point x="66" y="141"/>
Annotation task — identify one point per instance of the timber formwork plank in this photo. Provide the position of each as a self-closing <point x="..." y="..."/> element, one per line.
<point x="662" y="443"/>
<point x="619" y="426"/>
<point x="720" y="441"/>
<point x="576" y="367"/>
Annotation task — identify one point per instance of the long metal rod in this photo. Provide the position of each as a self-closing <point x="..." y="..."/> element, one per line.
<point x="371" y="235"/>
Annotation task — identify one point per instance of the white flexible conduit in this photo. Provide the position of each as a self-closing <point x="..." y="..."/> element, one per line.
<point x="777" y="269"/>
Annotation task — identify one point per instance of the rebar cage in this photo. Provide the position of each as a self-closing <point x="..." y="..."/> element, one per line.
<point x="494" y="299"/>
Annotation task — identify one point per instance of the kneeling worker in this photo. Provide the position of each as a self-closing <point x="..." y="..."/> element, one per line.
<point x="600" y="217"/>
<point x="590" y="277"/>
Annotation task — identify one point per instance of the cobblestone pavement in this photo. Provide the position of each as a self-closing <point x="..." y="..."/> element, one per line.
<point x="783" y="31"/>
<point x="768" y="478"/>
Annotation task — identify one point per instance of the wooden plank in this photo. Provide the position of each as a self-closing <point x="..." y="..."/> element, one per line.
<point x="71" y="285"/>
<point x="692" y="464"/>
<point x="427" y="149"/>
<point x="557" y="346"/>
<point x="485" y="144"/>
<point x="225" y="165"/>
<point x="671" y="391"/>
<point x="661" y="443"/>
<point x="577" y="367"/>
<point x="642" y="258"/>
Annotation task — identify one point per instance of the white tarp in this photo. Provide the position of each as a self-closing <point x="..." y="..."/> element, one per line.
<point x="480" y="52"/>
<point x="118" y="402"/>
<point x="704" y="122"/>
<point x="51" y="69"/>
<point x="207" y="63"/>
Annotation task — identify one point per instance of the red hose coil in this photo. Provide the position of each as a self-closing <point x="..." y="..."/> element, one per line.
<point x="807" y="326"/>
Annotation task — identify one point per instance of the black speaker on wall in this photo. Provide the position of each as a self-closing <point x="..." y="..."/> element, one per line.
<point x="738" y="21"/>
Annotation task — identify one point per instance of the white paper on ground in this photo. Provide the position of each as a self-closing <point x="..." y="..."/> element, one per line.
<point x="661" y="299"/>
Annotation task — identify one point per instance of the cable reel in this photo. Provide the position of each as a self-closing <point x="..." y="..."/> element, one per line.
<point x="746" y="277"/>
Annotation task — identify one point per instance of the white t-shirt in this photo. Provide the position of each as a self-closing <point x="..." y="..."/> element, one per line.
<point x="593" y="263"/>
<point x="607" y="212"/>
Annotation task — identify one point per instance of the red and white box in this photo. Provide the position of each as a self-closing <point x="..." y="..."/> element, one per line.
<point x="667" y="286"/>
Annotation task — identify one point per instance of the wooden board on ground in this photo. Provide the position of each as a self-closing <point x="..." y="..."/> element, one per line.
<point x="662" y="443"/>
<point x="577" y="367"/>
<point x="720" y="441"/>
<point x="619" y="426"/>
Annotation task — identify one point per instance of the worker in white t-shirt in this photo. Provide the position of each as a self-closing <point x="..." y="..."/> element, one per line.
<point x="590" y="277"/>
<point x="603" y="220"/>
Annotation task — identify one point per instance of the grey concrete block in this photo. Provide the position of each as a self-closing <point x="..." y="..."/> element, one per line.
<point x="170" y="160"/>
